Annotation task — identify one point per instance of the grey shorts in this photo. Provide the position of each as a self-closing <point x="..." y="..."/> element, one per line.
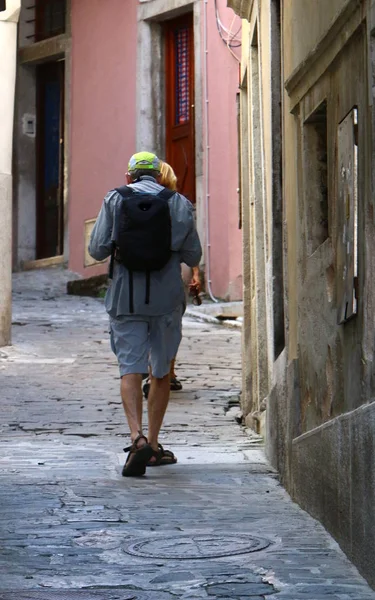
<point x="140" y="341"/>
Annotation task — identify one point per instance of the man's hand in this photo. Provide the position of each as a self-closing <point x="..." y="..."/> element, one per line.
<point x="195" y="283"/>
<point x="195" y="287"/>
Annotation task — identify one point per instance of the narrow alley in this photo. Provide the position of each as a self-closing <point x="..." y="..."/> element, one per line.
<point x="216" y="525"/>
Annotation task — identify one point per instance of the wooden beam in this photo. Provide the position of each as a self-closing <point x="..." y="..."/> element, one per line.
<point x="42" y="263"/>
<point x="41" y="51"/>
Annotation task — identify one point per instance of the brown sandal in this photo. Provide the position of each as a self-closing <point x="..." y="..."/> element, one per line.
<point x="162" y="457"/>
<point x="137" y="459"/>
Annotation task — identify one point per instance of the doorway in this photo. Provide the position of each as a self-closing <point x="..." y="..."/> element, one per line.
<point x="180" y="122"/>
<point x="50" y="160"/>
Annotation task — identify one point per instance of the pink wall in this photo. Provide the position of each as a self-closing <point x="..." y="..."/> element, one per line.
<point x="104" y="42"/>
<point x="103" y="110"/>
<point x="223" y="78"/>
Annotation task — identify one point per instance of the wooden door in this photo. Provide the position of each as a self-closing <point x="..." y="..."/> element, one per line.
<point x="180" y="147"/>
<point x="50" y="157"/>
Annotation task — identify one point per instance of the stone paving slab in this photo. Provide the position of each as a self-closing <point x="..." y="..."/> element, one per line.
<point x="216" y="525"/>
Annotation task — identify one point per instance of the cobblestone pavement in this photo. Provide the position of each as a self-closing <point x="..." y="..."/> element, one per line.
<point x="216" y="525"/>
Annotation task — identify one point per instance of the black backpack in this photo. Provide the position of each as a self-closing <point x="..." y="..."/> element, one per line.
<point x="142" y="234"/>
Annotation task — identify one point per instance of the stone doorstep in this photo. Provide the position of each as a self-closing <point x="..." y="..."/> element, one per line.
<point x="229" y="309"/>
<point x="89" y="286"/>
<point x="206" y="318"/>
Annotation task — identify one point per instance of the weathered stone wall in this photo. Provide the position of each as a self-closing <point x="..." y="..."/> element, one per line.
<point x="331" y="367"/>
<point x="319" y="389"/>
<point x="333" y="479"/>
<point x="329" y="470"/>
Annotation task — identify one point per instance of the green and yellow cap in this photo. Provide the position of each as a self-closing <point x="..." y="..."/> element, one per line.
<point x="144" y="160"/>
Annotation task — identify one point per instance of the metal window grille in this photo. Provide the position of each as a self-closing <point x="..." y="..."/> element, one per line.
<point x="182" y="75"/>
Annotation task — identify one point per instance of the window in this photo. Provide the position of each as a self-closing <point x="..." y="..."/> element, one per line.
<point x="347" y="217"/>
<point x="277" y="185"/>
<point x="316" y="177"/>
<point x="49" y="18"/>
<point x="179" y="101"/>
<point x="182" y="75"/>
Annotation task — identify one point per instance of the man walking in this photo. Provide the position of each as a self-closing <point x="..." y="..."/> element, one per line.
<point x="148" y="231"/>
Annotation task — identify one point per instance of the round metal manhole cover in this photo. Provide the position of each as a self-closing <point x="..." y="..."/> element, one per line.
<point x="197" y="546"/>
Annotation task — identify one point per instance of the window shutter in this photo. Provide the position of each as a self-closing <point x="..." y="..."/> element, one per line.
<point x="347" y="213"/>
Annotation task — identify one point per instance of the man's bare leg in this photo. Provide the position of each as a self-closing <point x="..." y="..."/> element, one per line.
<point x="131" y="394"/>
<point x="158" y="399"/>
<point x="172" y="373"/>
<point x="140" y="451"/>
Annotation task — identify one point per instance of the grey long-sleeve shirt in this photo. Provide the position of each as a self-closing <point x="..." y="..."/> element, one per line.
<point x="166" y="286"/>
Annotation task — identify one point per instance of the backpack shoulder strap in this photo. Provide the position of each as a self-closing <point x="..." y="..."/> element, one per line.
<point x="165" y="194"/>
<point x="125" y="191"/>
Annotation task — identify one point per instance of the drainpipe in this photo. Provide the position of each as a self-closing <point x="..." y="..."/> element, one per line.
<point x="8" y="52"/>
<point x="207" y="158"/>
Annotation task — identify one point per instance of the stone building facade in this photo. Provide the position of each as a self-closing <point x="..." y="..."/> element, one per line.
<point x="307" y="189"/>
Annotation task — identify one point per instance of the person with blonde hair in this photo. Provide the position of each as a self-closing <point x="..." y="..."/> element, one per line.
<point x="168" y="179"/>
<point x="167" y="176"/>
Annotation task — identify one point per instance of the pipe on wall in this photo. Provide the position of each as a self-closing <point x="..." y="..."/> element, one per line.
<point x="207" y="158"/>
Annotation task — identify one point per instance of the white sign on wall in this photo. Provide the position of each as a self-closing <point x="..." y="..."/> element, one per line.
<point x="29" y="125"/>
